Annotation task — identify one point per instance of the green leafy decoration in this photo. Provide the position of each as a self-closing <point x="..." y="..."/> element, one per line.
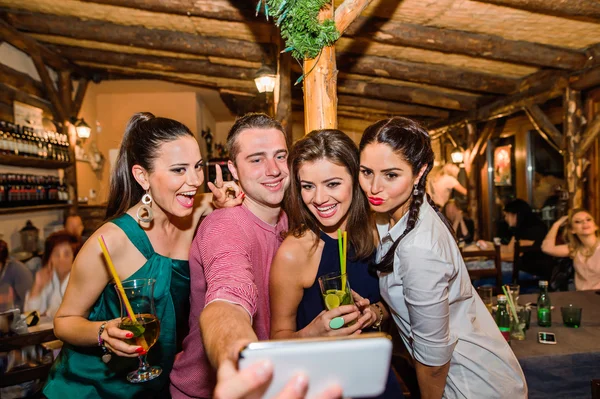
<point x="298" y="20"/>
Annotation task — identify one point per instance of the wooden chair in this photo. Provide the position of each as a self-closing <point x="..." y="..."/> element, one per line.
<point x="17" y="342"/>
<point x="483" y="273"/>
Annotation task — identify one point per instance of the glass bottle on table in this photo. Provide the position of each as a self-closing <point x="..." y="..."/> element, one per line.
<point x="544" y="307"/>
<point x="503" y="317"/>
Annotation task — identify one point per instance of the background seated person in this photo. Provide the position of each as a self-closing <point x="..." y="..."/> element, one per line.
<point x="15" y="280"/>
<point x="526" y="227"/>
<point x="74" y="226"/>
<point x="51" y="280"/>
<point x="464" y="228"/>
<point x="583" y="246"/>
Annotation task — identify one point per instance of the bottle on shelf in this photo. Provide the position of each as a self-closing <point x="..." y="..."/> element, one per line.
<point x="27" y="190"/>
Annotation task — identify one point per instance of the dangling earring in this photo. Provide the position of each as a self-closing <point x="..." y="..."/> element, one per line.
<point x="145" y="208"/>
<point x="415" y="191"/>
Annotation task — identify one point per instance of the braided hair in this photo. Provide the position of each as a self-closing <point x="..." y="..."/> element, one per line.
<point x="410" y="141"/>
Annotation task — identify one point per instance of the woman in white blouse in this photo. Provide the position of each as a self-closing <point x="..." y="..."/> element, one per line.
<point x="457" y="347"/>
<point x="51" y="280"/>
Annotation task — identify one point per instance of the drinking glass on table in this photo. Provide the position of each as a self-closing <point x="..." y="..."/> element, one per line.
<point x="141" y="320"/>
<point x="515" y="290"/>
<point x="486" y="295"/>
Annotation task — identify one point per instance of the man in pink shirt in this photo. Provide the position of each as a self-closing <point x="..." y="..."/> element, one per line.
<point x="231" y="256"/>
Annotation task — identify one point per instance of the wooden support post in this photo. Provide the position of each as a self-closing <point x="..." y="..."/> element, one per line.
<point x="283" y="92"/>
<point x="590" y="134"/>
<point x="320" y="80"/>
<point x="471" y="170"/>
<point x="65" y="89"/>
<point x="320" y="86"/>
<point x="573" y="166"/>
<point x="79" y="95"/>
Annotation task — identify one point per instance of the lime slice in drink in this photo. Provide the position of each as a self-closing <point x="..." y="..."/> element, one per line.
<point x="136" y="329"/>
<point x="332" y="301"/>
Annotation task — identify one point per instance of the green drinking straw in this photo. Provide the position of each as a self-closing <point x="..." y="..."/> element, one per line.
<point x="342" y="249"/>
<point x="511" y="305"/>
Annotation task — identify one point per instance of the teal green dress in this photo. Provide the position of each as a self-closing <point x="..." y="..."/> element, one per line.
<point x="79" y="371"/>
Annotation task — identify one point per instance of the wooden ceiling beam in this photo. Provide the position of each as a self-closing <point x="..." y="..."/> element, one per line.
<point x="582" y="10"/>
<point x="543" y="125"/>
<point x="139" y="36"/>
<point x="403" y="34"/>
<point x="466" y="43"/>
<point x="21" y="81"/>
<point x="536" y="94"/>
<point x="433" y="74"/>
<point x="390" y="107"/>
<point x="408" y="94"/>
<point x="78" y="54"/>
<point x="27" y="45"/>
<point x="211" y="82"/>
<point x="17" y="94"/>
<point x="215" y="9"/>
<point x="60" y="113"/>
<point x="586" y="79"/>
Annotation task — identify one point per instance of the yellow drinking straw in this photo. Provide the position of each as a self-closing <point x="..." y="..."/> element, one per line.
<point x="115" y="276"/>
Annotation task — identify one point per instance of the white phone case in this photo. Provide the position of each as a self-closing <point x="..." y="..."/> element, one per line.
<point x="360" y="365"/>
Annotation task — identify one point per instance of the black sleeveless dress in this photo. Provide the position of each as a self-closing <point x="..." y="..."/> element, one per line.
<point x="361" y="281"/>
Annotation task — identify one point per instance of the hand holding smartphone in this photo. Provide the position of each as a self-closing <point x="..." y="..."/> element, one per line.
<point x="359" y="364"/>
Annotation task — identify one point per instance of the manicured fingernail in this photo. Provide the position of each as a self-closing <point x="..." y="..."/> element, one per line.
<point x="140" y="350"/>
<point x="300" y="384"/>
<point x="129" y="335"/>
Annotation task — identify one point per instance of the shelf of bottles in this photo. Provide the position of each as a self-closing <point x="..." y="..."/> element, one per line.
<point x="25" y="146"/>
<point x="20" y="190"/>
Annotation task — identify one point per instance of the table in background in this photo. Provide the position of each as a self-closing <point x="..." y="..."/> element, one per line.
<point x="563" y="370"/>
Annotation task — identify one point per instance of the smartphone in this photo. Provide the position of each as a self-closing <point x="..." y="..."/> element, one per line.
<point x="360" y="365"/>
<point x="546" y="338"/>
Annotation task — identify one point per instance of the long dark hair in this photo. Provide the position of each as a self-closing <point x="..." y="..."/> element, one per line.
<point x="143" y="137"/>
<point x="410" y="141"/>
<point x="334" y="146"/>
<point x="525" y="216"/>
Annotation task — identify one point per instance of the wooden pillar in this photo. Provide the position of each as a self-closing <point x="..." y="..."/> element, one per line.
<point x="471" y="170"/>
<point x="283" y="92"/>
<point x="320" y="86"/>
<point x="572" y="117"/>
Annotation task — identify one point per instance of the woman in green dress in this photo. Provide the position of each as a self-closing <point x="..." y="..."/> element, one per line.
<point x="153" y="212"/>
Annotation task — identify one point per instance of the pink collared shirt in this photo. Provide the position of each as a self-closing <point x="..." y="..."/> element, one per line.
<point x="230" y="260"/>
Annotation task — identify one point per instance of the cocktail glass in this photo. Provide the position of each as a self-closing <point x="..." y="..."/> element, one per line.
<point x="143" y="323"/>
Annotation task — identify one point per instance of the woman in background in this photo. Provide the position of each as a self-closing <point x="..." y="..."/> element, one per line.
<point x="153" y="211"/>
<point x="583" y="246"/>
<point x="457" y="347"/>
<point x="51" y="280"/>
<point x="324" y="196"/>
<point x="443" y="180"/>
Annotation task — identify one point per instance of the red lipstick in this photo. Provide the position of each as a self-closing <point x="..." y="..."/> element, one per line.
<point x="375" y="200"/>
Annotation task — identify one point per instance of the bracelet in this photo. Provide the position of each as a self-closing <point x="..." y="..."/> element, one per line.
<point x="377" y="324"/>
<point x="106" y="356"/>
